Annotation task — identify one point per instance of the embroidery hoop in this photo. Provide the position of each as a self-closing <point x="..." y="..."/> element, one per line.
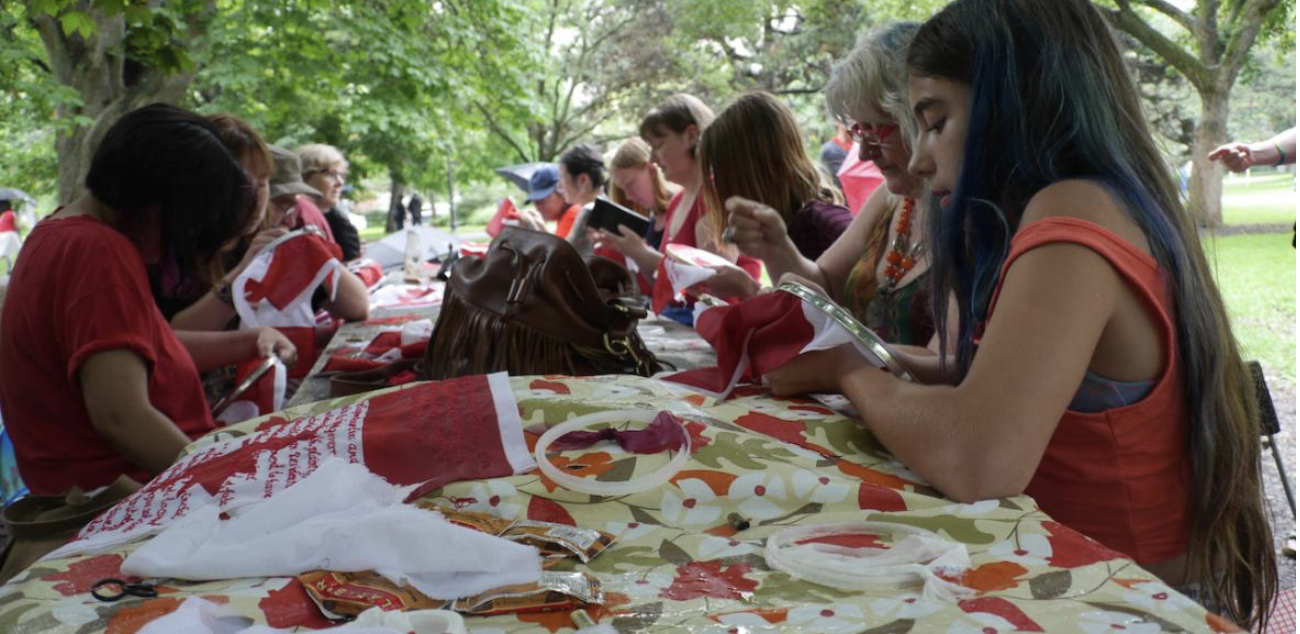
<point x="844" y="568"/>
<point x="609" y="489"/>
<point x="865" y="335"/>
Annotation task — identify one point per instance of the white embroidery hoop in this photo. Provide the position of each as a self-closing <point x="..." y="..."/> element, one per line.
<point x="607" y="489"/>
<point x="885" y="572"/>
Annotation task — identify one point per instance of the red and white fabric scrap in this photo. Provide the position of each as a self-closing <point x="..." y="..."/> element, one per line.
<point x="265" y="396"/>
<point x="394" y="296"/>
<point x="759" y="335"/>
<point x="428" y="435"/>
<point x="275" y="290"/>
<point x="507" y="215"/>
<point x="368" y="271"/>
<point x="407" y="341"/>
<point x="674" y="280"/>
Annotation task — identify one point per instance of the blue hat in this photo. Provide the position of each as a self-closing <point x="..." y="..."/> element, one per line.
<point x="542" y="183"/>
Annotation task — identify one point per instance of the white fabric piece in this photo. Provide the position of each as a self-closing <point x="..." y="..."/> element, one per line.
<point x="200" y="616"/>
<point x="827" y="334"/>
<point x="509" y="424"/>
<point x="416" y="331"/>
<point x="341" y="518"/>
<point x="10" y="245"/>
<point x="919" y="556"/>
<point x="683" y="276"/>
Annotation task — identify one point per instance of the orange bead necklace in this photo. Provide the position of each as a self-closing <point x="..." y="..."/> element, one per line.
<point x="902" y="256"/>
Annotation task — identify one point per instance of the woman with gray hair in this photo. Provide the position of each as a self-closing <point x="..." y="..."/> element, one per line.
<point x="325" y="169"/>
<point x="878" y="267"/>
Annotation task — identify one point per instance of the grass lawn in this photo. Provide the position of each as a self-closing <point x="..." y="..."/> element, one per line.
<point x="1269" y="198"/>
<point x="1257" y="275"/>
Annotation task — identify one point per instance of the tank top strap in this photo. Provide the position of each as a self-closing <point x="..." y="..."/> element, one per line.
<point x="1137" y="268"/>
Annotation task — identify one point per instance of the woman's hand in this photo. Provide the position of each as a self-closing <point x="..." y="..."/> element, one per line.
<point x="260" y="240"/>
<point x="627" y="242"/>
<point x="757" y="230"/>
<point x="816" y="372"/>
<point x="731" y="281"/>
<point x="530" y="218"/>
<point x="1237" y="157"/>
<point x="269" y="341"/>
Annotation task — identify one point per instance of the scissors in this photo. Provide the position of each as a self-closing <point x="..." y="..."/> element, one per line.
<point x="113" y="590"/>
<point x="243" y="387"/>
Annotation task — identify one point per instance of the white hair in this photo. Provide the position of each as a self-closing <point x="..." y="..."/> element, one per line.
<point x="870" y="83"/>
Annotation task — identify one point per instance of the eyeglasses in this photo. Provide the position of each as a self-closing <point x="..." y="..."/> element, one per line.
<point x="334" y="174"/>
<point x="869" y="135"/>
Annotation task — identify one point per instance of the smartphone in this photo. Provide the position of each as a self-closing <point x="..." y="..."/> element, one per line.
<point x="609" y="215"/>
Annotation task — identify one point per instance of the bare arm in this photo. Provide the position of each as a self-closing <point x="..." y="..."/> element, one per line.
<point x="985" y="437"/>
<point x="217" y="349"/>
<point x="351" y="300"/>
<point x="114" y="384"/>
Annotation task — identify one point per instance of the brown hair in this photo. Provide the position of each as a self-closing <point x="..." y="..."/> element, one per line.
<point x="675" y="114"/>
<point x="634" y="153"/>
<point x="754" y="149"/>
<point x="244" y="143"/>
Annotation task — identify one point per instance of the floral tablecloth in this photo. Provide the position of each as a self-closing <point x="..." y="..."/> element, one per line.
<point x="679" y="566"/>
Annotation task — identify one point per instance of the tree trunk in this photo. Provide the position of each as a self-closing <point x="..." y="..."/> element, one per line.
<point x="1205" y="191"/>
<point x="109" y="86"/>
<point x="451" y="191"/>
<point x="395" y="220"/>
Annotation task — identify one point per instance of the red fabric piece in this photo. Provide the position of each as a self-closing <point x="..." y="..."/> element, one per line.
<point x="383" y="342"/>
<point x="292" y="270"/>
<point x="8" y="222"/>
<point x="369" y="273"/>
<point x="771" y="327"/>
<point x="505" y="211"/>
<point x="304" y="341"/>
<point x="1121" y="476"/>
<point x="442" y="432"/>
<point x="262" y="393"/>
<point x="858" y="179"/>
<point x="80" y="288"/>
<point x="663" y="434"/>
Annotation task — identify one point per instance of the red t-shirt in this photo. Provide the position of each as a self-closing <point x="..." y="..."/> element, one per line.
<point x="79" y="288"/>
<point x="565" y="224"/>
<point x="305" y="212"/>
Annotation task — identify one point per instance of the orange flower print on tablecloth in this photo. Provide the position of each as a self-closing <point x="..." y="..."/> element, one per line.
<point x="588" y="465"/>
<point x="711" y="579"/>
<point x="82" y="575"/>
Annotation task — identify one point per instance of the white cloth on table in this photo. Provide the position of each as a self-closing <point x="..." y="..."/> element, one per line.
<point x="340" y="518"/>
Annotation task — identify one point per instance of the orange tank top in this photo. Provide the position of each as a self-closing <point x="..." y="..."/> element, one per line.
<point x="1120" y="476"/>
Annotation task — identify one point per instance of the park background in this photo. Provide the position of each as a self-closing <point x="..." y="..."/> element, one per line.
<point x="432" y="95"/>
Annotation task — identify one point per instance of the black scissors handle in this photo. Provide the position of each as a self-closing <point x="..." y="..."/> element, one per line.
<point x="111" y="590"/>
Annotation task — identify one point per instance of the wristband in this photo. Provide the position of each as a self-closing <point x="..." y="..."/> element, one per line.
<point x="1281" y="156"/>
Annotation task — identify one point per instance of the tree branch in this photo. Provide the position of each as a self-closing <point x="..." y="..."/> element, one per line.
<point x="1250" y="19"/>
<point x="1183" y="18"/>
<point x="499" y="131"/>
<point x="1129" y="22"/>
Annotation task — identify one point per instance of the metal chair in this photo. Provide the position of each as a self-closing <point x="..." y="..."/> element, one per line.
<point x="1269" y="426"/>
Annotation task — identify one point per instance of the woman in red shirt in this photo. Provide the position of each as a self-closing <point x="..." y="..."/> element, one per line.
<point x="1095" y="370"/>
<point x="93" y="382"/>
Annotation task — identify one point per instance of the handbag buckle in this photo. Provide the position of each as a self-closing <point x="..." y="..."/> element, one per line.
<point x="622" y="347"/>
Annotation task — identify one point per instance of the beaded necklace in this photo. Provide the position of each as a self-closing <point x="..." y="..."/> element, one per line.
<point x="902" y="256"/>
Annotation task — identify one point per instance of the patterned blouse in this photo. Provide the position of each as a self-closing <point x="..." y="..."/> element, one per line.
<point x="900" y="315"/>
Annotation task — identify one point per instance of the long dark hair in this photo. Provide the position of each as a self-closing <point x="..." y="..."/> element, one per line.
<point x="166" y="158"/>
<point x="1052" y="99"/>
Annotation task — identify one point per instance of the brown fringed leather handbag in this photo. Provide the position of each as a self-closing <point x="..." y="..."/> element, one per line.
<point x="532" y="305"/>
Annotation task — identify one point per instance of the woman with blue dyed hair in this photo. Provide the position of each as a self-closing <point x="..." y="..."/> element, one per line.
<point x="1094" y="367"/>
